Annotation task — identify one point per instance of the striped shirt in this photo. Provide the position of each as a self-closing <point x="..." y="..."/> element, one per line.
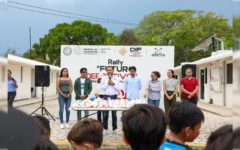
<point x="155" y="93"/>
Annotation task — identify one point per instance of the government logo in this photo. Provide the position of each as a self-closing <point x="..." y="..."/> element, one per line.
<point x="67" y="51"/>
<point x="78" y="50"/>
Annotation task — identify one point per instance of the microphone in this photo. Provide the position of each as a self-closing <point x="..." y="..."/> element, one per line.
<point x="109" y="77"/>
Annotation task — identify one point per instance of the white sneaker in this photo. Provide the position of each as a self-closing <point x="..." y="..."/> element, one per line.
<point x="116" y="132"/>
<point x="104" y="131"/>
<point x="67" y="125"/>
<point x="62" y="126"/>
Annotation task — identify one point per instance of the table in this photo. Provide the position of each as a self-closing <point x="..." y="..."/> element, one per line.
<point x="97" y="109"/>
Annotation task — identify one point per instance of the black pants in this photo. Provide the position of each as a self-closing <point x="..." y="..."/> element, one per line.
<point x="11" y="97"/>
<point x="99" y="114"/>
<point x="193" y="100"/>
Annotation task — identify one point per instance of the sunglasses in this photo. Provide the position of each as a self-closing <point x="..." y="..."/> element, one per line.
<point x="84" y="72"/>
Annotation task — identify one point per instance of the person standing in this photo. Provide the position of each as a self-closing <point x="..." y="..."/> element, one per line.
<point x="170" y="88"/>
<point x="98" y="93"/>
<point x="110" y="85"/>
<point x="133" y="84"/>
<point x="12" y="88"/>
<point x="82" y="88"/>
<point x="189" y="87"/>
<point x="153" y="88"/>
<point x="64" y="87"/>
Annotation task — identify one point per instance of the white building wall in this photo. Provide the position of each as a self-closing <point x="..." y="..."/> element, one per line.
<point x="24" y="86"/>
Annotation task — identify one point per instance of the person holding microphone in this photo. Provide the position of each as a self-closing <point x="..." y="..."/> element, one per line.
<point x="110" y="85"/>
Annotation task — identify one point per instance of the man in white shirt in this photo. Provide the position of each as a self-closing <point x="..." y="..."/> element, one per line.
<point x="110" y="85"/>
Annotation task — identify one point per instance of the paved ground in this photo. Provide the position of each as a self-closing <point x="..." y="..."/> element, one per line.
<point x="212" y="122"/>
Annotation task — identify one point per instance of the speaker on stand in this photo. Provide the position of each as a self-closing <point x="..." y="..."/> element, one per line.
<point x="42" y="79"/>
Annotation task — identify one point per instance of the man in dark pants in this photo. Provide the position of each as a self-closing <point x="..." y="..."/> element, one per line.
<point x="110" y="85"/>
<point x="12" y="88"/>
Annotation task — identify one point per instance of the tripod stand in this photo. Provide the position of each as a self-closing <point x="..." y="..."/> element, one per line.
<point x="42" y="107"/>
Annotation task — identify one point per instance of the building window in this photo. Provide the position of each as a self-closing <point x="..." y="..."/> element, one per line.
<point x="21" y="73"/>
<point x="205" y="75"/>
<point x="3" y="74"/>
<point x="229" y="73"/>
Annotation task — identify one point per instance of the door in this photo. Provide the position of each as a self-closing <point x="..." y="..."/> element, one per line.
<point x="33" y="88"/>
<point x="202" y="84"/>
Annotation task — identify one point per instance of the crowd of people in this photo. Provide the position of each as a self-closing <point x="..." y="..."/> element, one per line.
<point x="144" y="125"/>
<point x="144" y="128"/>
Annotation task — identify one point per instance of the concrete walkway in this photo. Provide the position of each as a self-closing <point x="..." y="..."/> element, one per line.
<point x="33" y="101"/>
<point x="215" y="109"/>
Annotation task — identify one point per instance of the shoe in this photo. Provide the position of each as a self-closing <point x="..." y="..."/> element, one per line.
<point x="104" y="131"/>
<point x="116" y="132"/>
<point x="67" y="125"/>
<point x="62" y="126"/>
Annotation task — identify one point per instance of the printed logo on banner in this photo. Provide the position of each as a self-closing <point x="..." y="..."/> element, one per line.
<point x="135" y="51"/>
<point x="67" y="51"/>
<point x="158" y="52"/>
<point x="123" y="51"/>
<point x="78" y="50"/>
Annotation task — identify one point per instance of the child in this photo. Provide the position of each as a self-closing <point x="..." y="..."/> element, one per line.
<point x="144" y="127"/>
<point x="185" y="120"/>
<point x="45" y="126"/>
<point x="86" y="134"/>
<point x="221" y="139"/>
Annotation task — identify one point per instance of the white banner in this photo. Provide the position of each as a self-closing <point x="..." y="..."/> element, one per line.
<point x="96" y="58"/>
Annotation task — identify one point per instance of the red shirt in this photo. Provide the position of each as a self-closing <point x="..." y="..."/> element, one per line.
<point x="189" y="85"/>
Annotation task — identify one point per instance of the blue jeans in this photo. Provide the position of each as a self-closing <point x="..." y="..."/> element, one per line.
<point x="63" y="101"/>
<point x="114" y="117"/>
<point x="154" y="102"/>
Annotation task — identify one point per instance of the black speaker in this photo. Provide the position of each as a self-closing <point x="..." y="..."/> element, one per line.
<point x="192" y="66"/>
<point x="42" y="76"/>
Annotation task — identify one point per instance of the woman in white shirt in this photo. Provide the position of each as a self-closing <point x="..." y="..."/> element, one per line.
<point x="98" y="93"/>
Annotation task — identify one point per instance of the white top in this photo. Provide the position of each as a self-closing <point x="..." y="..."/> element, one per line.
<point x="170" y="84"/>
<point x="110" y="89"/>
<point x="96" y="90"/>
<point x="82" y="86"/>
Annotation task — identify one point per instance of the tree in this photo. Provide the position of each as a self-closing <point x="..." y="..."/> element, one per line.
<point x="184" y="29"/>
<point x="12" y="51"/>
<point x="126" y="37"/>
<point x="77" y="33"/>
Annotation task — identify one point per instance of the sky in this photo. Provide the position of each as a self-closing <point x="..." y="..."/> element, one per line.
<point x="15" y="23"/>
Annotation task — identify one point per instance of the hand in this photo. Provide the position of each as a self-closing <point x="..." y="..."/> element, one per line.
<point x="145" y="95"/>
<point x="84" y="96"/>
<point x="64" y="95"/>
<point x="171" y="97"/>
<point x="109" y="82"/>
<point x="14" y="83"/>
<point x="150" y="89"/>
<point x="68" y="95"/>
<point x="81" y="97"/>
<point x="189" y="96"/>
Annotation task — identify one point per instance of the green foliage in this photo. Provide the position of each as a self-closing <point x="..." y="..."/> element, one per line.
<point x="211" y="101"/>
<point x="126" y="37"/>
<point x="184" y="29"/>
<point x="177" y="93"/>
<point x="77" y="33"/>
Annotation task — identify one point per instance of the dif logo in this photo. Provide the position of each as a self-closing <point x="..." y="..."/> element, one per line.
<point x="135" y="49"/>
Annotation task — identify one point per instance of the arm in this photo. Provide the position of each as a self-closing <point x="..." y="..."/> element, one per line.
<point x="76" y="85"/>
<point x="15" y="83"/>
<point x="140" y="84"/>
<point x="103" y="86"/>
<point x="71" y="86"/>
<point x="176" y="89"/>
<point x="118" y="85"/>
<point x="184" y="91"/>
<point x="57" y="86"/>
<point x="165" y="92"/>
<point x="126" y="85"/>
<point x="90" y="88"/>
